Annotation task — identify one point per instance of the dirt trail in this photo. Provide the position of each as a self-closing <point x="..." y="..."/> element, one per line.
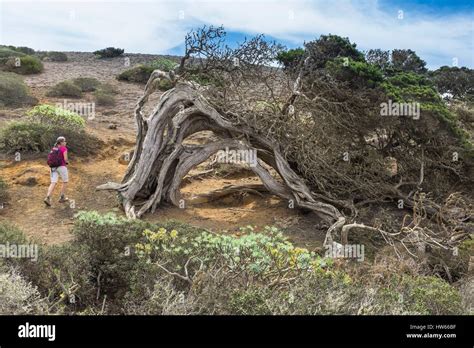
<point x="28" y="179"/>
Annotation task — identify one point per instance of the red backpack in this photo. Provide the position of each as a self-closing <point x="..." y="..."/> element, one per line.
<point x="55" y="158"/>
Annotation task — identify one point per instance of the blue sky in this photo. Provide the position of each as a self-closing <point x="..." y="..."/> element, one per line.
<point x="440" y="31"/>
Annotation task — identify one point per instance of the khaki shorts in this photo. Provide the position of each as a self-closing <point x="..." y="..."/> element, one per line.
<point x="59" y="171"/>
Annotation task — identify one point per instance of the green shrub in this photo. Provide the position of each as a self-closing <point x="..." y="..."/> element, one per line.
<point x="108" y="241"/>
<point x="55" y="116"/>
<point x="57" y="56"/>
<point x="109" y="52"/>
<point x="27" y="65"/>
<point x="205" y="79"/>
<point x="108" y="88"/>
<point x="163" y="64"/>
<point x="355" y="72"/>
<point x="104" y="99"/>
<point x="139" y="74"/>
<point x="65" y="89"/>
<point x="13" y="91"/>
<point x="24" y="136"/>
<point x="86" y="84"/>
<point x="255" y="253"/>
<point x="164" y="85"/>
<point x="11" y="234"/>
<point x="411" y="87"/>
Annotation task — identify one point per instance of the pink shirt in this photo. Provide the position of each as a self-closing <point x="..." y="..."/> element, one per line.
<point x="63" y="150"/>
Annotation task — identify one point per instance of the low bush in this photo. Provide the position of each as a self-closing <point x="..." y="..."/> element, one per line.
<point x="86" y="84"/>
<point x="138" y="74"/>
<point x="109" y="52"/>
<point x="205" y="80"/>
<point x="141" y="73"/>
<point x="13" y="91"/>
<point x="65" y="89"/>
<point x="108" y="88"/>
<point x="163" y="64"/>
<point x="164" y="85"/>
<point x="55" y="116"/>
<point x="23" y="65"/>
<point x="27" y="136"/>
<point x="57" y="56"/>
<point x="104" y="99"/>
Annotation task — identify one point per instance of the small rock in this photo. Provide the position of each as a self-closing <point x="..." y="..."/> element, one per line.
<point x="124" y="158"/>
<point x="112" y="126"/>
<point x="30" y="181"/>
<point x="110" y="113"/>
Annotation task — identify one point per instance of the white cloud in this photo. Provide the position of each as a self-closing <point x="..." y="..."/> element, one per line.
<point x="156" y="27"/>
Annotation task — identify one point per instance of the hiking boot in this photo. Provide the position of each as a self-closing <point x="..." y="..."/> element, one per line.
<point x="47" y="201"/>
<point x="63" y="199"/>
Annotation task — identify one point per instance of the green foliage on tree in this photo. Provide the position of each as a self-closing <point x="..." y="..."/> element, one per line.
<point x="379" y="58"/>
<point x="329" y="47"/>
<point x="356" y="73"/>
<point x="457" y="81"/>
<point x="407" y="61"/>
<point x="291" y="57"/>
<point x="407" y="87"/>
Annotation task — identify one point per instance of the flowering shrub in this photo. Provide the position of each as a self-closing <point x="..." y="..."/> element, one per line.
<point x="262" y="254"/>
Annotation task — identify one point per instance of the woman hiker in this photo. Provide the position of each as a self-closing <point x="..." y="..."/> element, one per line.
<point x="58" y="161"/>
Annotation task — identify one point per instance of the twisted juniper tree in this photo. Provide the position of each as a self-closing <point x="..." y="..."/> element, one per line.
<point x="300" y="122"/>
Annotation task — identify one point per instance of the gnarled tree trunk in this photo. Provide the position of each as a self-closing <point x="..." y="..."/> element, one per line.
<point x="161" y="160"/>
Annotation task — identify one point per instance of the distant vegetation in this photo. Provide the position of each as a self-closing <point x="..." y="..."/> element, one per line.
<point x="56" y="56"/>
<point x="65" y="89"/>
<point x="20" y="60"/>
<point x="104" y="94"/>
<point x="86" y="84"/>
<point x="109" y="52"/>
